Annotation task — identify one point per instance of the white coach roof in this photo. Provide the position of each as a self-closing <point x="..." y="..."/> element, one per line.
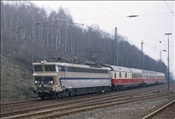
<point x="121" y="69"/>
<point x="136" y="70"/>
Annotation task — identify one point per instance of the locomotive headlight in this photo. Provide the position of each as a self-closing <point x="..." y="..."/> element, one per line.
<point x="51" y="82"/>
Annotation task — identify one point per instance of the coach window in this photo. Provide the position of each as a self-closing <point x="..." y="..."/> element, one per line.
<point x="114" y="74"/>
<point x="125" y="75"/>
<point x="120" y="74"/>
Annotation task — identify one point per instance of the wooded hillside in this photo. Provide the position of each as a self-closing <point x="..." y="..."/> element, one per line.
<point x="29" y="34"/>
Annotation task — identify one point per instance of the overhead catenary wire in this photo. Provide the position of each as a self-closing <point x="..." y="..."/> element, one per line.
<point x="169" y="8"/>
<point x="94" y="17"/>
<point x="134" y="25"/>
<point x="118" y="17"/>
<point x="131" y="24"/>
<point x="147" y="15"/>
<point x="146" y="37"/>
<point x="138" y="35"/>
<point x="121" y="17"/>
<point x="147" y="44"/>
<point x="84" y="11"/>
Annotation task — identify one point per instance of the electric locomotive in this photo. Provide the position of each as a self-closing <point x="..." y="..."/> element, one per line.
<point x="56" y="80"/>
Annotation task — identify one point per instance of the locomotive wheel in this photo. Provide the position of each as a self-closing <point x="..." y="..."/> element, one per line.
<point x="59" y="95"/>
<point x="117" y="88"/>
<point x="66" y="93"/>
<point x="72" y="93"/>
<point x="43" y="97"/>
<point x="102" y="89"/>
<point x="50" y="96"/>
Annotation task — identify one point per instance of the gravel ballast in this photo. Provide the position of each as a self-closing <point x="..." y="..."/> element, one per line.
<point x="133" y="110"/>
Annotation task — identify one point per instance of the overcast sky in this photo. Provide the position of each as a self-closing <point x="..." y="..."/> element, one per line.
<point x="153" y="21"/>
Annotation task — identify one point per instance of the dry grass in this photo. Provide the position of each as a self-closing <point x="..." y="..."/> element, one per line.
<point x="15" y="79"/>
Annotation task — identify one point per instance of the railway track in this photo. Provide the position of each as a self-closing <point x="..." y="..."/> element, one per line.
<point x="28" y="107"/>
<point x="34" y="101"/>
<point x="74" y="100"/>
<point x="16" y="103"/>
<point x="161" y="109"/>
<point x="82" y="108"/>
<point x="66" y="109"/>
<point x="55" y="103"/>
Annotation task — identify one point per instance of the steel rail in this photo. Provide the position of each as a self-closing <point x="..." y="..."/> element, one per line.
<point x="71" y="109"/>
<point x="158" y="110"/>
<point x="16" y="103"/>
<point x="6" y="105"/>
<point x="67" y="102"/>
<point x="92" y="106"/>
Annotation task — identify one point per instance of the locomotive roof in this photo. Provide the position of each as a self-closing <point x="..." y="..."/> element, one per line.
<point x="115" y="68"/>
<point x="69" y="64"/>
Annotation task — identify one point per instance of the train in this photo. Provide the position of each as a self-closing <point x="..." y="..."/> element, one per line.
<point x="63" y="79"/>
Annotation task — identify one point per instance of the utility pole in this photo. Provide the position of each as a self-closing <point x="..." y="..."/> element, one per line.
<point x="116" y="48"/>
<point x="160" y="62"/>
<point x="168" y="57"/>
<point x="142" y="55"/>
<point x="160" y="56"/>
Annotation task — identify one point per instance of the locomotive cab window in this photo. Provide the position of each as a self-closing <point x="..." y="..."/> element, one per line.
<point x="61" y="68"/>
<point x="38" y="68"/>
<point x="50" y="68"/>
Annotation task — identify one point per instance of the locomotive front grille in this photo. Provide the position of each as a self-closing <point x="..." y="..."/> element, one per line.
<point x="43" y="88"/>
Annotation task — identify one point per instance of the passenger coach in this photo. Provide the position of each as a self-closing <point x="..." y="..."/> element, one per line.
<point x="123" y="77"/>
